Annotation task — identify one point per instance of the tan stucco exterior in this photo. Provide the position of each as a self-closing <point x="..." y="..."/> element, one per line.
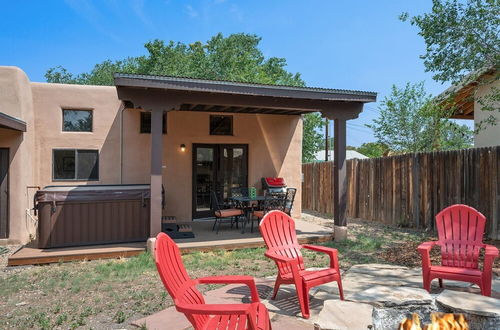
<point x="490" y="134"/>
<point x="274" y="144"/>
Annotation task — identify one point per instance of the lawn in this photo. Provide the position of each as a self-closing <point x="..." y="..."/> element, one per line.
<point x="111" y="293"/>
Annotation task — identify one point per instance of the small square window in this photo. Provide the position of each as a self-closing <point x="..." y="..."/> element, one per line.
<point x="77" y="120"/>
<point x="221" y="125"/>
<point x="75" y="164"/>
<point x="146" y="123"/>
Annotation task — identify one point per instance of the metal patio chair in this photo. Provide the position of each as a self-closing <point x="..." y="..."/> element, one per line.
<point x="289" y="198"/>
<point x="221" y="213"/>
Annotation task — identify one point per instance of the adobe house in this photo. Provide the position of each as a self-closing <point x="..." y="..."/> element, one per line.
<point x="467" y="100"/>
<point x="186" y="134"/>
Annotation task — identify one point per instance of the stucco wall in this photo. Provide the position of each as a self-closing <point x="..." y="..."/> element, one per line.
<point x="50" y="100"/>
<point x="16" y="101"/>
<point x="274" y="149"/>
<point x="274" y="142"/>
<point x="490" y="135"/>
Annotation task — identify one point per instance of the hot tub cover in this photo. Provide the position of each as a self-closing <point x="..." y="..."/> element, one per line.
<point x="92" y="193"/>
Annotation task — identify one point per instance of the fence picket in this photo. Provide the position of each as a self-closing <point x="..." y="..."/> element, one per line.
<point x="411" y="189"/>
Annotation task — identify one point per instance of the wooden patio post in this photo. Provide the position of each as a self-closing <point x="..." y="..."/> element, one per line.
<point x="340" y="180"/>
<point x="156" y="170"/>
<point x="340" y="114"/>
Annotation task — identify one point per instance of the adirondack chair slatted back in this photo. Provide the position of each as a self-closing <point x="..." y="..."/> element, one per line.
<point x="460" y="231"/>
<point x="173" y="275"/>
<point x="278" y="231"/>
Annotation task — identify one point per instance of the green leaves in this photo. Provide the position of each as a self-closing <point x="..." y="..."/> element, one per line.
<point x="410" y="121"/>
<point x="461" y="37"/>
<point x="312" y="140"/>
<point x="236" y="58"/>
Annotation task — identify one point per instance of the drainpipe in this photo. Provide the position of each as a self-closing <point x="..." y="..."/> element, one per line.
<point x="122" y="109"/>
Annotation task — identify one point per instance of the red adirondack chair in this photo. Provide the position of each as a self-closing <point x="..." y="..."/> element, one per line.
<point x="189" y="300"/>
<point x="278" y="231"/>
<point x="460" y="232"/>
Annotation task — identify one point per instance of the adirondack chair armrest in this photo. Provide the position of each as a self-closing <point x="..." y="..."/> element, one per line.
<point x="425" y="251"/>
<point x="426" y="247"/>
<point x="279" y="258"/>
<point x="332" y="253"/>
<point x="490" y="251"/>
<point x="214" y="309"/>
<point x="232" y="279"/>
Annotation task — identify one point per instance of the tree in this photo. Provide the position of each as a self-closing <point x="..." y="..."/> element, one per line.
<point x="462" y="42"/>
<point x="372" y="149"/>
<point x="235" y="58"/>
<point x="410" y="121"/>
<point x="312" y="140"/>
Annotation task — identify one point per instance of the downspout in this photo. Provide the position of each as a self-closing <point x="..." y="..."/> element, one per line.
<point x="122" y="109"/>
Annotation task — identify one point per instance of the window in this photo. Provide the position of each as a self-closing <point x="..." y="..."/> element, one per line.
<point x="146" y="123"/>
<point x="77" y="120"/>
<point x="221" y="125"/>
<point x="71" y="164"/>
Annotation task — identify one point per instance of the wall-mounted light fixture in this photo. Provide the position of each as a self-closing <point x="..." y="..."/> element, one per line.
<point x="183" y="147"/>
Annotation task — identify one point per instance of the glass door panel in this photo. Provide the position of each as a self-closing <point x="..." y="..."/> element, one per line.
<point x="217" y="167"/>
<point x="204" y="178"/>
<point x="234" y="168"/>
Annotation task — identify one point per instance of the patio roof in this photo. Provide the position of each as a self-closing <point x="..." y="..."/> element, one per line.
<point x="237" y="97"/>
<point x="160" y="94"/>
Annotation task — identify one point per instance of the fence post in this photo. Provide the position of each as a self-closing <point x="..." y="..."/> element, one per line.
<point x="416" y="188"/>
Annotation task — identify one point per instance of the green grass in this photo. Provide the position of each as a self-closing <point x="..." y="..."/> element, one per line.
<point x="108" y="293"/>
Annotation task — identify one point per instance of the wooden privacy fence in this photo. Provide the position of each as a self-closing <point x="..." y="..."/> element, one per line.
<point x="409" y="190"/>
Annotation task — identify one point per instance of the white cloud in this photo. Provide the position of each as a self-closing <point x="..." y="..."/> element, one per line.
<point x="191" y="12"/>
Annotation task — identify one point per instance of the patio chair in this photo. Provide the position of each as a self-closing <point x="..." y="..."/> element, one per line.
<point x="278" y="231"/>
<point x="460" y="237"/>
<point x="272" y="201"/>
<point x="238" y="192"/>
<point x="190" y="301"/>
<point x="289" y="198"/>
<point x="221" y="213"/>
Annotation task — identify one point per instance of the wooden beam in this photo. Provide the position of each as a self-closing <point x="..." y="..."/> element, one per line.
<point x="340" y="180"/>
<point x="156" y="170"/>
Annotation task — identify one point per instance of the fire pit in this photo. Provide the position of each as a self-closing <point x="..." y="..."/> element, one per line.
<point x="380" y="296"/>
<point x="439" y="321"/>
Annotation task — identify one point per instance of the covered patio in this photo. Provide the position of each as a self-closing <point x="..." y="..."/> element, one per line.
<point x="161" y="94"/>
<point x="205" y="239"/>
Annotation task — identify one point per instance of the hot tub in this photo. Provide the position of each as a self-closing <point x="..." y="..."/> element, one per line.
<point x="92" y="214"/>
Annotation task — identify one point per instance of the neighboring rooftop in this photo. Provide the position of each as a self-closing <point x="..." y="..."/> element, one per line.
<point x="350" y="154"/>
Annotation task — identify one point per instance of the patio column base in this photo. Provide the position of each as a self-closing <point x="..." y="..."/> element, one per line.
<point x="339" y="233"/>
<point x="150" y="244"/>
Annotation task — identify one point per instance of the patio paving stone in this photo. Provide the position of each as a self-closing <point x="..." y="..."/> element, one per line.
<point x="388" y="296"/>
<point x="470" y="303"/>
<point x="337" y="314"/>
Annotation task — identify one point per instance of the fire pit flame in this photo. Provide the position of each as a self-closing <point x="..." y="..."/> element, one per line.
<point x="439" y="321"/>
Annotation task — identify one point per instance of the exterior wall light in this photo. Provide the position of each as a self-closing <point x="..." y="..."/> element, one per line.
<point x="183" y="147"/>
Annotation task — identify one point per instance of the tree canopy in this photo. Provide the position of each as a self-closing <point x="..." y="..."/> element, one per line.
<point x="462" y="42"/>
<point x="410" y="122"/>
<point x="236" y="57"/>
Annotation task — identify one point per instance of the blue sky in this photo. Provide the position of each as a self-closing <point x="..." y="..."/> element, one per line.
<point x="338" y="44"/>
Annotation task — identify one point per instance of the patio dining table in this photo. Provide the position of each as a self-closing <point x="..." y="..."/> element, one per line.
<point x="248" y="209"/>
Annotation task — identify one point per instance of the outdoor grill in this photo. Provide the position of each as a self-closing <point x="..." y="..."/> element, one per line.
<point x="273" y="185"/>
